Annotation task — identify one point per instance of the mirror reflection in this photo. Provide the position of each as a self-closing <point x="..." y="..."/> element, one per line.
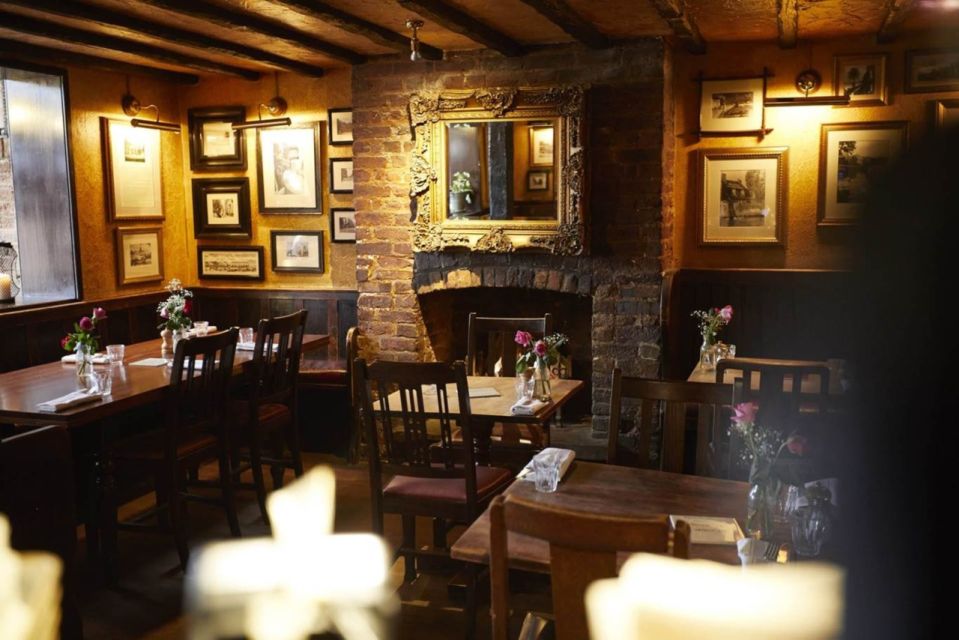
<point x="502" y="170"/>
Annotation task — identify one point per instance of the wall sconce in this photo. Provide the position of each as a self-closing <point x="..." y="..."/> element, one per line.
<point x="8" y="277"/>
<point x="275" y="107"/>
<point x="415" y="25"/>
<point x="808" y="81"/>
<point x="132" y="107"/>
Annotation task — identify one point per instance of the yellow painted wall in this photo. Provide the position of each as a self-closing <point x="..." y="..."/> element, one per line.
<point x="797" y="128"/>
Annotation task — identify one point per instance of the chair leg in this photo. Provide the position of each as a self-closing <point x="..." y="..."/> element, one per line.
<point x="469" y="608"/>
<point x="293" y="443"/>
<point x="256" y="468"/>
<point x="276" y="470"/>
<point x="177" y="509"/>
<point x="439" y="533"/>
<point x="409" y="544"/>
<point x="229" y="493"/>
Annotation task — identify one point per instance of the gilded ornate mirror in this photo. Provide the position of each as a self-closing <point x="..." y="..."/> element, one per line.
<point x="498" y="170"/>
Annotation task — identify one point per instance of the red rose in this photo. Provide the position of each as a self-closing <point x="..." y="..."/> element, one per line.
<point x="187" y="307"/>
<point x="86" y="323"/>
<point x="797" y="445"/>
<point x="63" y="342"/>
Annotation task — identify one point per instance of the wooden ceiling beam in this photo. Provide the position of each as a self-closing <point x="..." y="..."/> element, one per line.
<point x="559" y="13"/>
<point x="453" y="19"/>
<point x="60" y="33"/>
<point x="246" y="23"/>
<point x="673" y="12"/>
<point x="16" y="50"/>
<point x="787" y="20"/>
<point x="138" y="27"/>
<point x="358" y="26"/>
<point x="896" y="13"/>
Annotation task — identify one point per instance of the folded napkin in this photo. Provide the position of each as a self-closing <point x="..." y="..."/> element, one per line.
<point x="210" y="329"/>
<point x="99" y="358"/>
<point x="527" y="407"/>
<point x="69" y="401"/>
<point x="565" y="458"/>
<point x="249" y="346"/>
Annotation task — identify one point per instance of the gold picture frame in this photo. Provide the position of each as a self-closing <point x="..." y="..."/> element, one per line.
<point x="139" y="254"/>
<point x="131" y="171"/>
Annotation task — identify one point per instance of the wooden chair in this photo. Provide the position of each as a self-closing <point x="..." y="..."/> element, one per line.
<point x="268" y="411"/>
<point x="403" y="479"/>
<point x="582" y="549"/>
<point x="666" y="403"/>
<point x="194" y="431"/>
<point x="324" y="396"/>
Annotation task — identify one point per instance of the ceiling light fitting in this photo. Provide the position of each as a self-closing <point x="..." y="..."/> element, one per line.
<point x="275" y="107"/>
<point x="132" y="107"/>
<point x="415" y="25"/>
<point x="808" y="81"/>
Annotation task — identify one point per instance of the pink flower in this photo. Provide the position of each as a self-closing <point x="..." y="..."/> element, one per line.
<point x="99" y="313"/>
<point x="187" y="307"/>
<point x="797" y="445"/>
<point x="523" y="338"/>
<point x="540" y="348"/>
<point x="164" y="313"/>
<point x="745" y="413"/>
<point x="86" y="323"/>
<point x="726" y="313"/>
<point x="63" y="342"/>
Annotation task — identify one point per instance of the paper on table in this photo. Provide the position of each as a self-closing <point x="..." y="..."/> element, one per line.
<point x="475" y="392"/>
<point x="249" y="346"/>
<point x="565" y="456"/>
<point x="68" y="401"/>
<point x="528" y="407"/>
<point x="149" y="362"/>
<point x="710" y="529"/>
<point x="98" y="358"/>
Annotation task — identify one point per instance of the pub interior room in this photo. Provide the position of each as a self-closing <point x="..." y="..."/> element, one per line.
<point x="389" y="319"/>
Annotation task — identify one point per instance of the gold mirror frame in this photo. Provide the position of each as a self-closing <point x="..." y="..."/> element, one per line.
<point x="433" y="231"/>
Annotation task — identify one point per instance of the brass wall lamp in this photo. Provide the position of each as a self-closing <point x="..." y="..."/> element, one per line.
<point x="808" y="81"/>
<point x="275" y="107"/>
<point x="132" y="107"/>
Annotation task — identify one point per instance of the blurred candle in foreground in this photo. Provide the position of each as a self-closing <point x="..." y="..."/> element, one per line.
<point x="6" y="286"/>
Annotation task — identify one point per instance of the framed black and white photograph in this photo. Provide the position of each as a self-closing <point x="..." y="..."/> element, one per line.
<point x="852" y="157"/>
<point x="537" y="181"/>
<point x="932" y="70"/>
<point x="221" y="208"/>
<point x="341" y="175"/>
<point x="230" y="263"/>
<point x="945" y="114"/>
<point x="341" y="126"/>
<point x="742" y="196"/>
<point x="297" y="251"/>
<point x="732" y="107"/>
<point x="862" y="78"/>
<point x="288" y="160"/>
<point x="131" y="169"/>
<point x="139" y="254"/>
<point x="541" y="145"/>
<point x="214" y="145"/>
<point x="343" y="225"/>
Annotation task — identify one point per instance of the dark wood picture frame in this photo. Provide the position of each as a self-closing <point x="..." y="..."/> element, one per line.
<point x="199" y="161"/>
<point x="126" y="274"/>
<point x="236" y="224"/>
<point x="532" y="173"/>
<point x="204" y="250"/>
<point x="267" y="183"/>
<point x="911" y="84"/>
<point x="880" y="95"/>
<point x="277" y="258"/>
<point x="114" y="180"/>
<point x="943" y="110"/>
<point x="702" y="130"/>
<point x="333" y="181"/>
<point x="335" y="214"/>
<point x="332" y="116"/>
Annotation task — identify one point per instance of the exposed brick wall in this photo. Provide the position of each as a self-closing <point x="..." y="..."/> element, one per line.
<point x="622" y="273"/>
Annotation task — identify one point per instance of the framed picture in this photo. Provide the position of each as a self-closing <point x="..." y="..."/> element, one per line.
<point x="139" y="254"/>
<point x="932" y="70"/>
<point x="131" y="169"/>
<point x="341" y="175"/>
<point x="214" y="145"/>
<point x="297" y="251"/>
<point x="287" y="165"/>
<point x="230" y="263"/>
<point x="341" y="126"/>
<point x="862" y="78"/>
<point x="221" y="208"/>
<point x="742" y="196"/>
<point x="851" y="156"/>
<point x="343" y="225"/>
<point x="537" y="181"/>
<point x="541" y="145"/>
<point x="733" y="106"/>
<point x="945" y="113"/>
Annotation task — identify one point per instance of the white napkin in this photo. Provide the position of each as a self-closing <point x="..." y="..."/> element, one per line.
<point x="249" y="346"/>
<point x="565" y="457"/>
<point x="98" y="358"/>
<point x="68" y="401"/>
<point x="149" y="362"/>
<point x="209" y="329"/>
<point x="527" y="407"/>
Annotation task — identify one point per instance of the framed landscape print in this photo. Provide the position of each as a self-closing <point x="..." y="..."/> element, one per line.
<point x="221" y="208"/>
<point x="541" y="145"/>
<point x="343" y="225"/>
<point x="230" y="263"/>
<point x="742" y="196"/>
<point x="341" y="126"/>
<point x="214" y="145"/>
<point x="537" y="181"/>
<point x="851" y="157"/>
<point x="341" y="175"/>
<point x="932" y="70"/>
<point x="732" y="107"/>
<point x="139" y="254"/>
<point x="131" y="170"/>
<point x="297" y="251"/>
<point x="286" y="167"/>
<point x="945" y="113"/>
<point x="862" y="78"/>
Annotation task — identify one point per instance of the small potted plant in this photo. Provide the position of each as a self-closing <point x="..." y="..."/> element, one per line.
<point x="710" y="323"/>
<point x="461" y="193"/>
<point x="536" y="357"/>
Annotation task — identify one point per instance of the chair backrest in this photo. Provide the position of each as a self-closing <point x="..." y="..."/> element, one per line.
<point x="397" y="400"/>
<point x="491" y="339"/>
<point x="276" y="358"/>
<point x="666" y="403"/>
<point x="777" y="387"/>
<point x="582" y="549"/>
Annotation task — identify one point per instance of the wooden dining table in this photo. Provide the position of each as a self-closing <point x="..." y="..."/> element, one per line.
<point x="612" y="490"/>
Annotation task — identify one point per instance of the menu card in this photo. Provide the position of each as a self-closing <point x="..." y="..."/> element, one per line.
<point x="710" y="529"/>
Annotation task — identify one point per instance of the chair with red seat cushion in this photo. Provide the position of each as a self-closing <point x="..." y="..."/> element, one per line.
<point x="450" y="489"/>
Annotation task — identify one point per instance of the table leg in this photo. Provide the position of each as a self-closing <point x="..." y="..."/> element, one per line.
<point x="482" y="432"/>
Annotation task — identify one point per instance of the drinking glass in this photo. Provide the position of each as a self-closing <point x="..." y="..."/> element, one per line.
<point x="524" y="387"/>
<point x="103" y="381"/>
<point x="546" y="473"/>
<point x="115" y="353"/>
<point x="246" y="335"/>
<point x="201" y="327"/>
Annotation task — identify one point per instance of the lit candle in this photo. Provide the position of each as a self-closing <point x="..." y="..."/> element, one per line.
<point x="6" y="285"/>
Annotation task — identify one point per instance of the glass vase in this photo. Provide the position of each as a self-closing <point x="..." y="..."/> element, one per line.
<point x="811" y="527"/>
<point x="178" y="334"/>
<point x="762" y="505"/>
<point x="524" y="385"/>
<point x="84" y="362"/>
<point x="708" y="355"/>
<point x="541" y="388"/>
